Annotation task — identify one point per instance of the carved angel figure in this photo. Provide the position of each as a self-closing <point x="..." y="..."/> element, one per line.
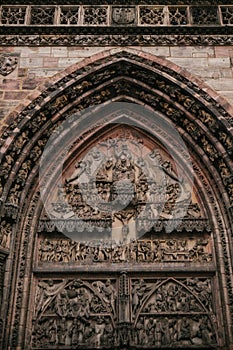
<point x="45" y="292"/>
<point x="107" y="291"/>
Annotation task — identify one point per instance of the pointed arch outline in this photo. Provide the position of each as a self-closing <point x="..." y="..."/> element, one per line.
<point x="69" y="89"/>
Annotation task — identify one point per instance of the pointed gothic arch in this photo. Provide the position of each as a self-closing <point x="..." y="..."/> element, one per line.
<point x="201" y="117"/>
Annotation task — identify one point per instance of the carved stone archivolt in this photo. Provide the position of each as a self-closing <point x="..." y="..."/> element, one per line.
<point x="197" y="115"/>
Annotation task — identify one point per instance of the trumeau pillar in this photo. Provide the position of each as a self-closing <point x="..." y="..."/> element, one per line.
<point x="156" y="271"/>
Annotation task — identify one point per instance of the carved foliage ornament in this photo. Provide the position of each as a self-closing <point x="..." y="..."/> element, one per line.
<point x="117" y="40"/>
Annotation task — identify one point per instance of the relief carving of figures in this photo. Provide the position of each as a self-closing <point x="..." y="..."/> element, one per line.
<point x="139" y="291"/>
<point x="70" y="313"/>
<point x="147" y="251"/>
<point x="75" y="299"/>
<point x="114" y="184"/>
<point x="23" y="172"/>
<point x="167" y="331"/>
<point x="14" y="195"/>
<point x="5" y="234"/>
<point x="184" y="295"/>
<point x="165" y="312"/>
<point x="45" y="291"/>
<point x="108" y="293"/>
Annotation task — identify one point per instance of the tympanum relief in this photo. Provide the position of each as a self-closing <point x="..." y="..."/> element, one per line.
<point x="123" y="206"/>
<point x="74" y="313"/>
<point x="84" y="313"/>
<point x="122" y="188"/>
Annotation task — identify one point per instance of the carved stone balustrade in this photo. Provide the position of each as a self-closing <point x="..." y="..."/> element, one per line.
<point x="142" y="24"/>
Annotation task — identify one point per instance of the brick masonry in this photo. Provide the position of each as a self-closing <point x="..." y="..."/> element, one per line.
<point x="214" y="65"/>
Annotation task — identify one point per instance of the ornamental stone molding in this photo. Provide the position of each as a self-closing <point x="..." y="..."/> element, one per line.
<point x="153" y="291"/>
<point x="116" y="40"/>
<point x="150" y="23"/>
<point x="117" y="15"/>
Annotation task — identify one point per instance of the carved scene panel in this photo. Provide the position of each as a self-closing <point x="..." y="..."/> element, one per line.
<point x="112" y="312"/>
<point x="124" y="186"/>
<point x="124" y="204"/>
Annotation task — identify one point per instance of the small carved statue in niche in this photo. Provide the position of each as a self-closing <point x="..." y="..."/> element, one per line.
<point x="6" y="166"/>
<point x="20" y="141"/>
<point x="5" y="234"/>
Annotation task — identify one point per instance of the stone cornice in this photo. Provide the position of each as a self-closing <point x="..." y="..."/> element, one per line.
<point x="117" y="2"/>
<point x="116" y="40"/>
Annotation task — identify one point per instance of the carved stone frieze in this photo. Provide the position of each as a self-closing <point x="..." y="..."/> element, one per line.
<point x="186" y="331"/>
<point x="119" y="2"/>
<point x="142" y="251"/>
<point x="117" y="40"/>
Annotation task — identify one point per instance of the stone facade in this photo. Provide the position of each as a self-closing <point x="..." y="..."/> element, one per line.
<point x="35" y="65"/>
<point x="131" y="247"/>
